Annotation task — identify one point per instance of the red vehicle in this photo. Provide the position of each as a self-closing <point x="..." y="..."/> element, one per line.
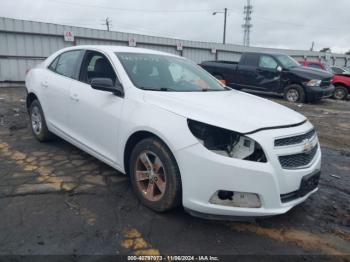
<point x="340" y="81"/>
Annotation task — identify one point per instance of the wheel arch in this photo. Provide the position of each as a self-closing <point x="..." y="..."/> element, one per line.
<point x="341" y="84"/>
<point x="295" y="83"/>
<point x="30" y="98"/>
<point x="136" y="137"/>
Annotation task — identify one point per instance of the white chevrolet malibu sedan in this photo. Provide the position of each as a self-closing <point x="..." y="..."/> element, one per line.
<point x="181" y="136"/>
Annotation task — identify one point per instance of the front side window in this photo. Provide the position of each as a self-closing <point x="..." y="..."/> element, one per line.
<point x="287" y="61"/>
<point x="96" y="65"/>
<point x="267" y="62"/>
<point x="167" y="73"/>
<point x="315" y="66"/>
<point x="53" y="65"/>
<point x="67" y="63"/>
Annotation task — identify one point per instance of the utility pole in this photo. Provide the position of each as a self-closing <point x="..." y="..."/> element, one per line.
<point x="312" y="46"/>
<point x="107" y="23"/>
<point x="225" y="21"/>
<point x="248" y="10"/>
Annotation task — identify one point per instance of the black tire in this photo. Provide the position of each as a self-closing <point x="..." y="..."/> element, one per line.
<point x="172" y="195"/>
<point x="294" y="93"/>
<point x="340" y="92"/>
<point x="42" y="134"/>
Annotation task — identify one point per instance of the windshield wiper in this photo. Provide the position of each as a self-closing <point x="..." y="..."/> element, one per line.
<point x="158" y="89"/>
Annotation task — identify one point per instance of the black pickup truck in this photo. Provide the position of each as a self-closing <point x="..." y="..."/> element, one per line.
<point x="273" y="73"/>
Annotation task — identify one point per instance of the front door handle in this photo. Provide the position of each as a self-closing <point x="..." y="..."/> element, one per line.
<point x="74" y="97"/>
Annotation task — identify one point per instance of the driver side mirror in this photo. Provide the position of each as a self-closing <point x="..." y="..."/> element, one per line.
<point x="279" y="68"/>
<point x="106" y="84"/>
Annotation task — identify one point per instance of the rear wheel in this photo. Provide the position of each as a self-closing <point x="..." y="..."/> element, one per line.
<point x="340" y="92"/>
<point x="155" y="176"/>
<point x="38" y="122"/>
<point x="294" y="93"/>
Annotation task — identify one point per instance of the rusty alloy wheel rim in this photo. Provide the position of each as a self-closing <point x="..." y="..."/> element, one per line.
<point x="150" y="176"/>
<point x="339" y="93"/>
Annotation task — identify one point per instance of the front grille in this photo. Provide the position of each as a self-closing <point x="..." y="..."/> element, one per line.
<point x="326" y="82"/>
<point x="294" y="140"/>
<point x="298" y="160"/>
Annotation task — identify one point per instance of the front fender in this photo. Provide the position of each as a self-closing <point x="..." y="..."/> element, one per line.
<point x="171" y="128"/>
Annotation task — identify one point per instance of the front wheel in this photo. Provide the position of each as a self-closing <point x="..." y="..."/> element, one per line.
<point x="294" y="93"/>
<point x="155" y="176"/>
<point x="340" y="92"/>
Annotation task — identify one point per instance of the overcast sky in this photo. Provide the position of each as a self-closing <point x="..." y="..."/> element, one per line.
<point x="276" y="23"/>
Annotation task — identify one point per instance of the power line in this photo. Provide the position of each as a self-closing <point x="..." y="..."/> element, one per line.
<point x="189" y="11"/>
<point x="248" y="9"/>
<point x="133" y="10"/>
<point x="296" y="24"/>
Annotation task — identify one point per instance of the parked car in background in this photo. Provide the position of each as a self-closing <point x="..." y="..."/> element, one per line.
<point x="342" y="86"/>
<point x="273" y="73"/>
<point x="315" y="64"/>
<point x="340" y="70"/>
<point x="341" y="81"/>
<point x="181" y="136"/>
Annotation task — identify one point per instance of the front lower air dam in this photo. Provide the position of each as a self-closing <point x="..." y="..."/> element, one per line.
<point x="236" y="199"/>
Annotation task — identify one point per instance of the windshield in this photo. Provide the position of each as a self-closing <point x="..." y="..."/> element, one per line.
<point x="167" y="73"/>
<point x="287" y="61"/>
<point x="328" y="69"/>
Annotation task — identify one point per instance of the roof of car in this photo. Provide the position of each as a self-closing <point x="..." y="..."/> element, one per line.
<point x="115" y="48"/>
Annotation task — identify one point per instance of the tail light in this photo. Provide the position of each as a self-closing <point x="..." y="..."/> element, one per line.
<point x="223" y="82"/>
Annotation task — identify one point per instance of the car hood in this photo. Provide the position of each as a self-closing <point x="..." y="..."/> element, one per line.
<point x="310" y="73"/>
<point x="233" y="110"/>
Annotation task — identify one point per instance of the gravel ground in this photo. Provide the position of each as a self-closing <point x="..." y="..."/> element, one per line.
<point x="57" y="200"/>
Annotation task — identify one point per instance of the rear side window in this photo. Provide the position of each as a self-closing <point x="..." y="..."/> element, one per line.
<point x="249" y="60"/>
<point x="67" y="64"/>
<point x="267" y="62"/>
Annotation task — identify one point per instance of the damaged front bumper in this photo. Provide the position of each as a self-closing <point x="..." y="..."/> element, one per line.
<point x="205" y="173"/>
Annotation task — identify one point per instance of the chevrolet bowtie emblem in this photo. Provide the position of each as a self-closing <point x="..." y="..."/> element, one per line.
<point x="307" y="146"/>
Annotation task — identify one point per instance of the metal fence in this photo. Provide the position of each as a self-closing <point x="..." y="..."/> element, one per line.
<point x="23" y="44"/>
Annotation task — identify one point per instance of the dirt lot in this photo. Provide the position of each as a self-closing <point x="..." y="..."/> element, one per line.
<point x="55" y="199"/>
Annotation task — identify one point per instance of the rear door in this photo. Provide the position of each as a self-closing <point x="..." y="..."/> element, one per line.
<point x="268" y="78"/>
<point x="55" y="88"/>
<point x="94" y="115"/>
<point x="246" y="71"/>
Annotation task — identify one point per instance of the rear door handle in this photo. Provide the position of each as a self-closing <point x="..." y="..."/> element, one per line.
<point x="45" y="84"/>
<point x="74" y="97"/>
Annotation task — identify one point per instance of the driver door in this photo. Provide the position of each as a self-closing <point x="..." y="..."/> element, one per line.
<point x="268" y="78"/>
<point x="94" y="115"/>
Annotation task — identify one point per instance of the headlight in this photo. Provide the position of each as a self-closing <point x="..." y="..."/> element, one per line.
<point x="314" y="82"/>
<point x="226" y="142"/>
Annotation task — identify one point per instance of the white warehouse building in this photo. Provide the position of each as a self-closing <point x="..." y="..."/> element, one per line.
<point x="23" y="44"/>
